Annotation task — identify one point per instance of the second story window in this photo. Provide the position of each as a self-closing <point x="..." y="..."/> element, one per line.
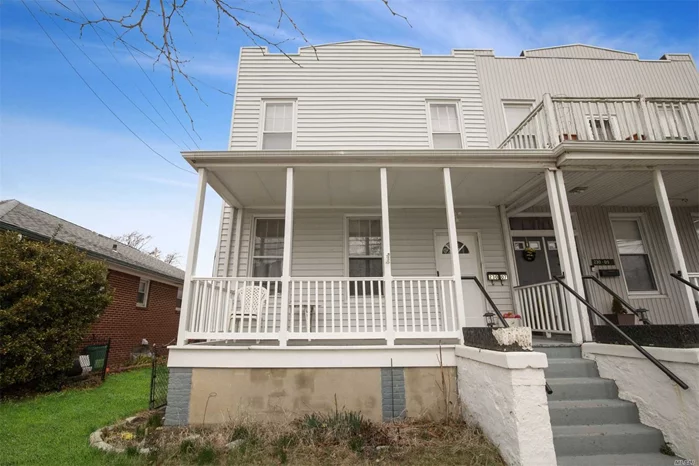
<point x="278" y="125"/>
<point x="446" y="131"/>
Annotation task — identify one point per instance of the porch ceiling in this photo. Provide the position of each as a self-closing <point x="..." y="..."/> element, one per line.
<point x="360" y="187"/>
<point x="628" y="188"/>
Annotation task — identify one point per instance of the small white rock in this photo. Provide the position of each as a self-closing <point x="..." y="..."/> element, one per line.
<point x="235" y="444"/>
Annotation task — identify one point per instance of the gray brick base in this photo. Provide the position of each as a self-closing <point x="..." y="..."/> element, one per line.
<point x="179" y="389"/>
<point x="392" y="393"/>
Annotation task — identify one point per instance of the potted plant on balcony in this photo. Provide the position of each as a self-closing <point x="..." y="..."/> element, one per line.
<point x="619" y="315"/>
<point x="512" y="319"/>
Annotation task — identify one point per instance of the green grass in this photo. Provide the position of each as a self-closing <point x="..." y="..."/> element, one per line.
<point x="54" y="428"/>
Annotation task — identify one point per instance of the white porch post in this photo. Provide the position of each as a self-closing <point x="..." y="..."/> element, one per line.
<point x="573" y="253"/>
<point x="509" y="254"/>
<point x="286" y="261"/>
<point x="454" y="249"/>
<point x="238" y="235"/>
<point x="563" y="246"/>
<point x="678" y="263"/>
<point x="192" y="256"/>
<point x="387" y="273"/>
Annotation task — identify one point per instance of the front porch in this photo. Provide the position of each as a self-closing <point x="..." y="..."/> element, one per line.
<point x="345" y="249"/>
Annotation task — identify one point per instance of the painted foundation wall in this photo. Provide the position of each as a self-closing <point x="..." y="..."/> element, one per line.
<point x="661" y="403"/>
<point x="223" y="395"/>
<point x="508" y="402"/>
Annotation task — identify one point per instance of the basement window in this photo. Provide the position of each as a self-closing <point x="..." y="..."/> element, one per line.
<point x="142" y="296"/>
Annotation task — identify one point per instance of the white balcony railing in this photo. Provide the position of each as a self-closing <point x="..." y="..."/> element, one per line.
<point x="321" y="309"/>
<point x="543" y="307"/>
<point x="562" y="119"/>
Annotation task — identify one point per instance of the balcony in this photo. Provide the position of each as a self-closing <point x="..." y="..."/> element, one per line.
<point x="556" y="120"/>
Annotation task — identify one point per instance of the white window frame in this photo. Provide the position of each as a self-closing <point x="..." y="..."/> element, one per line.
<point x="459" y="118"/>
<point x="145" y="293"/>
<point x="640" y="219"/>
<point x="263" y="112"/>
<point x="251" y="243"/>
<point x="178" y="297"/>
<point x="518" y="102"/>
<point x="613" y="124"/>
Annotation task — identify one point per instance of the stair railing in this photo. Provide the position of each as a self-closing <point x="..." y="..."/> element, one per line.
<point x="640" y="313"/>
<point x="679" y="277"/>
<point x="498" y="313"/>
<point x="645" y="353"/>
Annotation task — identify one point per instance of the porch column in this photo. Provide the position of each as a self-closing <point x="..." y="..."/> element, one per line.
<point x="563" y="246"/>
<point x="678" y="263"/>
<point x="573" y="253"/>
<point x="509" y="254"/>
<point x="192" y="255"/>
<point x="387" y="273"/>
<point x="454" y="250"/>
<point x="286" y="260"/>
<point x="238" y="235"/>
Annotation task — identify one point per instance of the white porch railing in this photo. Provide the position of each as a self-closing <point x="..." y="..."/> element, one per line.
<point x="321" y="308"/>
<point x="543" y="307"/>
<point x="561" y="119"/>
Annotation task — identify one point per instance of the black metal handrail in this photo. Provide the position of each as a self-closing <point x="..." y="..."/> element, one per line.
<point x="645" y="353"/>
<point x="640" y="313"/>
<point x="684" y="280"/>
<point x="498" y="313"/>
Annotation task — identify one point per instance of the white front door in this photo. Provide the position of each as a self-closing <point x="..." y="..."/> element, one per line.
<point x="470" y="266"/>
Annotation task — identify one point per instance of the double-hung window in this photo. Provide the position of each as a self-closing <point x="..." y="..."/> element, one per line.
<point x="515" y="113"/>
<point x="278" y="125"/>
<point x="142" y="296"/>
<point x="446" y="130"/>
<point x="268" y="248"/>
<point x="633" y="254"/>
<point x="365" y="258"/>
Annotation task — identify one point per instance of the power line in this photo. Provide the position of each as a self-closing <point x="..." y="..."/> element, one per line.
<point x="110" y="80"/>
<point x="128" y="48"/>
<point x="95" y="93"/>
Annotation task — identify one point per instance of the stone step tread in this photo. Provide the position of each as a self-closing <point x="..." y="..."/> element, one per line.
<point x="601" y="429"/>
<point x="596" y="403"/>
<point x="640" y="459"/>
<point x="578" y="380"/>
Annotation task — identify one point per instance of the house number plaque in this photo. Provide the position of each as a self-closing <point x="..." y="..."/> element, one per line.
<point x="596" y="262"/>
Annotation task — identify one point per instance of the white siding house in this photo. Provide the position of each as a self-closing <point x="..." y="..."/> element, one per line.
<point x="378" y="200"/>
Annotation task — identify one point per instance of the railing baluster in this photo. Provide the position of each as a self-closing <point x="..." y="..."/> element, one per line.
<point x="412" y="307"/>
<point x="443" y="312"/>
<point x="419" y="298"/>
<point x="452" y="290"/>
<point x="373" y="313"/>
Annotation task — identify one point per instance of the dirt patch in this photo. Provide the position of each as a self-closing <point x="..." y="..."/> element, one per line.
<point x="341" y="438"/>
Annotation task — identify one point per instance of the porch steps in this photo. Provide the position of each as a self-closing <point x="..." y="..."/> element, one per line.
<point x="591" y="425"/>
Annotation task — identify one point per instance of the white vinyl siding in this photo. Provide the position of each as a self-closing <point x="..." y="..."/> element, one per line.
<point x="519" y="78"/>
<point x="356" y="95"/>
<point x="319" y="242"/>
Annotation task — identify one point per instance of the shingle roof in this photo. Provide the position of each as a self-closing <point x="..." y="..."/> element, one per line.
<point x="17" y="216"/>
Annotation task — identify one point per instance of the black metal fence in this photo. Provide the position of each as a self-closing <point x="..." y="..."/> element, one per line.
<point x="158" y="379"/>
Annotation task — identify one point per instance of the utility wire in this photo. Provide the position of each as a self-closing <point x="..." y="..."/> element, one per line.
<point x="96" y="94"/>
<point x="111" y="81"/>
<point x="128" y="48"/>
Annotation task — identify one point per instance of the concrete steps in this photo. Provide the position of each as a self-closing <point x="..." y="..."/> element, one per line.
<point x="591" y="425"/>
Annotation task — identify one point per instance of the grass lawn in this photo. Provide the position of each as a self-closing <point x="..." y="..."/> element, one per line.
<point x="54" y="428"/>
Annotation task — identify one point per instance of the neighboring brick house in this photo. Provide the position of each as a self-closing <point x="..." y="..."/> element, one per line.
<point x="147" y="292"/>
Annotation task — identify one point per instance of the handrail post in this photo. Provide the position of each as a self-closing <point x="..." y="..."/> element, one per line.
<point x="551" y="121"/>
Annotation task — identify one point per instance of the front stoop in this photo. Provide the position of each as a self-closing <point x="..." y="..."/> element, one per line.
<point x="591" y="425"/>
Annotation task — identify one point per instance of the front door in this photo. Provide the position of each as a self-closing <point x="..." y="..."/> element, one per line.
<point x="470" y="266"/>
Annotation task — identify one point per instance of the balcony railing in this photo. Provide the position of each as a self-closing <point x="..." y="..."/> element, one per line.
<point x="321" y="309"/>
<point x="562" y="119"/>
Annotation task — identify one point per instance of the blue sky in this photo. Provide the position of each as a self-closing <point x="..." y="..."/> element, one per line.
<point x="62" y="151"/>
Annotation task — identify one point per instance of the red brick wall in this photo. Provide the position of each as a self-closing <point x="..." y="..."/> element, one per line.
<point x="126" y="324"/>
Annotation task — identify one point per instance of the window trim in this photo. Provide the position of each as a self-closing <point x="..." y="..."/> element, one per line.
<point x="263" y="113"/>
<point x="251" y="241"/>
<point x="459" y="118"/>
<point x="178" y="297"/>
<point x="505" y="102"/>
<point x="640" y="219"/>
<point x="145" y="293"/>
<point x="359" y="216"/>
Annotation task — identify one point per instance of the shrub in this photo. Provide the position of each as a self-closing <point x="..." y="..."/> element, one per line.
<point x="50" y="293"/>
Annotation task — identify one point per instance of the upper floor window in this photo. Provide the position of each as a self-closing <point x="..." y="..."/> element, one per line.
<point x="515" y="113"/>
<point x="446" y="131"/>
<point x="142" y="296"/>
<point x="278" y="125"/>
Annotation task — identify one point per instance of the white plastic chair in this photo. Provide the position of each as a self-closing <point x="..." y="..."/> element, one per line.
<point x="251" y="300"/>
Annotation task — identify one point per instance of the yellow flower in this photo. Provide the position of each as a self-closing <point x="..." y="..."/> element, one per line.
<point x="126" y="435"/>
